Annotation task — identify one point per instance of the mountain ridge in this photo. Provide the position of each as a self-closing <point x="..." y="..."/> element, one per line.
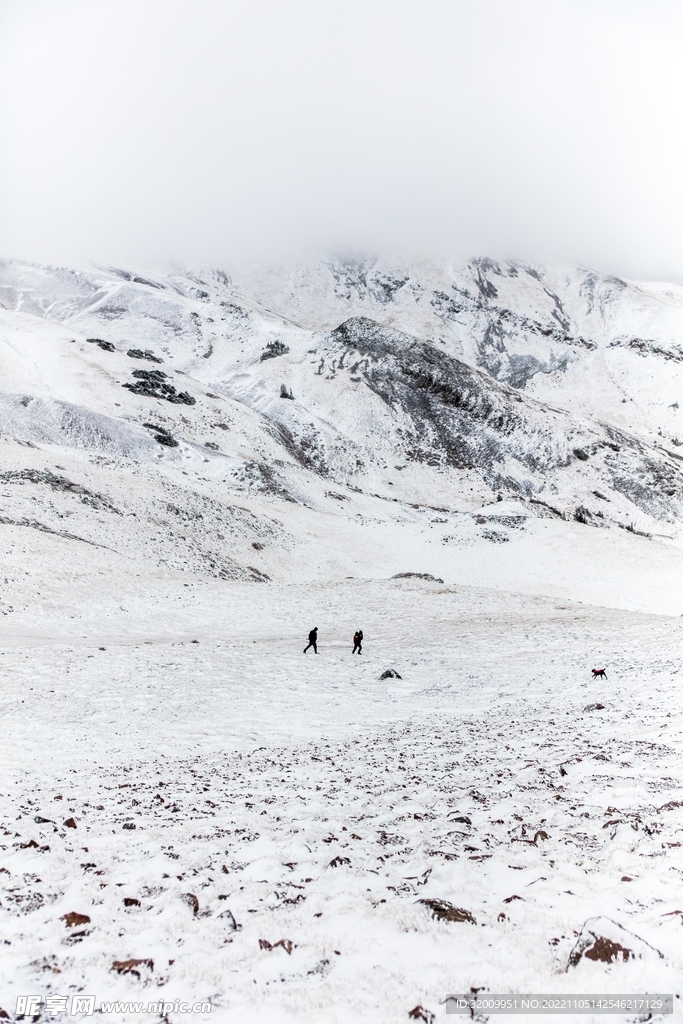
<point x="526" y="393"/>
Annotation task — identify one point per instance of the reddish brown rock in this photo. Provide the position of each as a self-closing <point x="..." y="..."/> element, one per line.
<point x="72" y="919"/>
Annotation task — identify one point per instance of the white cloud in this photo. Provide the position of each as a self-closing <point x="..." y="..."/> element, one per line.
<point x="143" y="131"/>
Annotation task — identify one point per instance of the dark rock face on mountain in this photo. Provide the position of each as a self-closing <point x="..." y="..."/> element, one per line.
<point x="451" y="414"/>
<point x="457" y="415"/>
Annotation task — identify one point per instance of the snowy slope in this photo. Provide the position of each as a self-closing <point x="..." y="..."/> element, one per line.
<point x="233" y="782"/>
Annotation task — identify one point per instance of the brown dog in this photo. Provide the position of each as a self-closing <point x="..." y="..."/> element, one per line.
<point x="598" y="672"/>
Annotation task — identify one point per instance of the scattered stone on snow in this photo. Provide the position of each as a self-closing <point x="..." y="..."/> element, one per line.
<point x="390" y="673"/>
<point x="496" y="536"/>
<point x="286" y="944"/>
<point x="138" y="353"/>
<point x="445" y="911"/>
<point x="162" y="435"/>
<point x="585" y="516"/>
<point x="106" y="346"/>
<point x="72" y="919"/>
<point x="70" y="823"/>
<point x="131" y="901"/>
<point x="273" y="349"/>
<point x="228" y="919"/>
<point x="337" y="862"/>
<point x="416" y="576"/>
<point x="420" y="1013"/>
<point x="191" y="900"/>
<point x="594" y="707"/>
<point x="152" y="384"/>
<point x="257" y="575"/>
<point x="605" y="940"/>
<point x="131" y="966"/>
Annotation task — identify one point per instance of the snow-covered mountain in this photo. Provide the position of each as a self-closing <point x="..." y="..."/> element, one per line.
<point x="367" y="387"/>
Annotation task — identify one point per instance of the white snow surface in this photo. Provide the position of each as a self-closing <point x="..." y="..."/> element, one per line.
<point x="235" y="792"/>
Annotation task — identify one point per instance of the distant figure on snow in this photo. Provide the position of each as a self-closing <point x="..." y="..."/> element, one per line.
<point x="357" y="641"/>
<point x="312" y="640"/>
<point x="598" y="672"/>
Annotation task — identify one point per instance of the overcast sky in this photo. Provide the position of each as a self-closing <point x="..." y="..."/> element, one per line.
<point x="208" y="131"/>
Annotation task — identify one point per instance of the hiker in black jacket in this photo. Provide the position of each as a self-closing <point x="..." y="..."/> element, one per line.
<point x="357" y="641"/>
<point x="312" y="640"/>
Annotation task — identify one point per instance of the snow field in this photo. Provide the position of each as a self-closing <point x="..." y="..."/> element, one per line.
<point x="248" y="769"/>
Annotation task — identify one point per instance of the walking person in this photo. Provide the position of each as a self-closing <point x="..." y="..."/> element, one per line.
<point x="358" y="641"/>
<point x="312" y="640"/>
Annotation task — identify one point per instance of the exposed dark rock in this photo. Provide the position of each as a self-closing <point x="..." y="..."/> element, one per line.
<point x="445" y="911"/>
<point x="152" y="384"/>
<point x="585" y="516"/>
<point x="459" y="416"/>
<point x="257" y="575"/>
<point x="58" y="483"/>
<point x="73" y="919"/>
<point x="605" y="940"/>
<point x="138" y="353"/>
<point x="416" y="576"/>
<point x="106" y="346"/>
<point x="515" y="522"/>
<point x="162" y="435"/>
<point x="649" y="347"/>
<point x="390" y="673"/>
<point x="420" y="1013"/>
<point x="228" y="919"/>
<point x="191" y="900"/>
<point x="273" y="349"/>
<point x="132" y="966"/>
<point x="496" y="536"/>
<point x="285" y="944"/>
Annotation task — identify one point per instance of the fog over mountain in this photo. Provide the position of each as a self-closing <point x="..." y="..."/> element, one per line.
<point x="143" y="133"/>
